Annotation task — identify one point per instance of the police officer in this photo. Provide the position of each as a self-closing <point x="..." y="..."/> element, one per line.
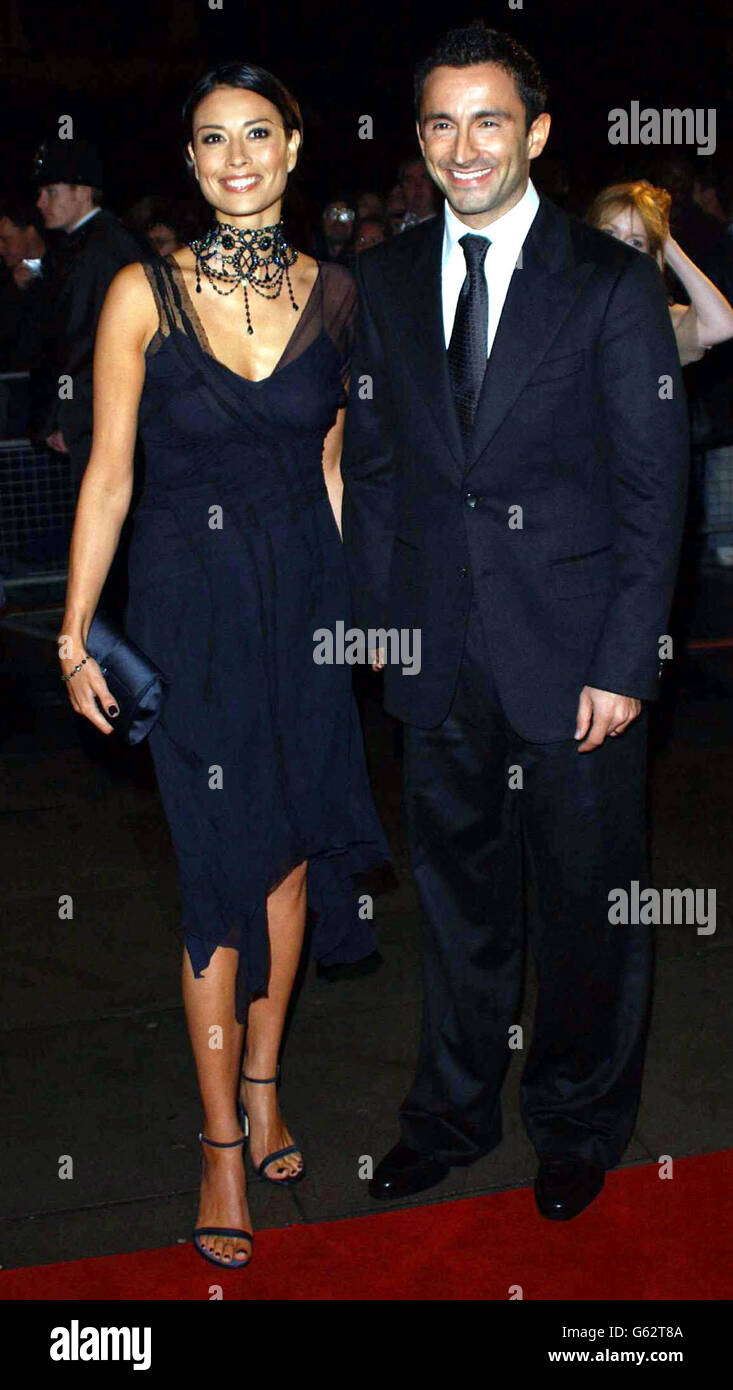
<point x="95" y="245"/>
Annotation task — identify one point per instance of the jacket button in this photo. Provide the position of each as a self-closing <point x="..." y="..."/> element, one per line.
<point x="471" y="500"/>
<point x="462" y="572"/>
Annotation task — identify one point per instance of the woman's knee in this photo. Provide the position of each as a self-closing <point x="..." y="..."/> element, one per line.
<point x="292" y="886"/>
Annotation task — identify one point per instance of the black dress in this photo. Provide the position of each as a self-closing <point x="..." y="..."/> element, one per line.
<point x="235" y="564"/>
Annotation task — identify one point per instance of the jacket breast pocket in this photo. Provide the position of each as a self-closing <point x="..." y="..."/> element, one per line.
<point x="583" y="574"/>
<point x="557" y="368"/>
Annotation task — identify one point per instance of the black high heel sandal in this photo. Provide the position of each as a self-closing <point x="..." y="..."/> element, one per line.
<point x="278" y="1153"/>
<point x="234" y="1263"/>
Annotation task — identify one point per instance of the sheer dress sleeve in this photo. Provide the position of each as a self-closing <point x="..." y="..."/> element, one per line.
<point x="340" y="303"/>
<point x="332" y="307"/>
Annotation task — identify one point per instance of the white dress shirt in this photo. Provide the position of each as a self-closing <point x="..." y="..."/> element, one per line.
<point x="507" y="236"/>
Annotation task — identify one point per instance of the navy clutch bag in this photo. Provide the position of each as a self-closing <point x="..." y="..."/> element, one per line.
<point x="139" y="688"/>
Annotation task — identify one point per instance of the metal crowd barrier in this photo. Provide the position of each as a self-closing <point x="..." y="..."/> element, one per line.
<point x="37" y="501"/>
<point x="37" y="497"/>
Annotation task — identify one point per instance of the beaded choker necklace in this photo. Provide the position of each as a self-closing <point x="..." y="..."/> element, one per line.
<point x="258" y="256"/>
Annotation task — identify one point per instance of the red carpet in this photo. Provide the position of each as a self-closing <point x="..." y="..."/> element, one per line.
<point x="644" y="1238"/>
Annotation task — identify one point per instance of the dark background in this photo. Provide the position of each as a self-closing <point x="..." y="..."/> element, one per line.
<point x="123" y="70"/>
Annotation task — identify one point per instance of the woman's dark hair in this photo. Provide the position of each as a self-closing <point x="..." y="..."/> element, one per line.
<point x="476" y="43"/>
<point x="250" y="78"/>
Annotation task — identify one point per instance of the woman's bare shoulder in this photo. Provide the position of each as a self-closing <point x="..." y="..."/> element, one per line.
<point x="131" y="300"/>
<point x="131" y="285"/>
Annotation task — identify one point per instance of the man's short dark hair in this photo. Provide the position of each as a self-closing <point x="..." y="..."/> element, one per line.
<point x="476" y="43"/>
<point x="23" y="215"/>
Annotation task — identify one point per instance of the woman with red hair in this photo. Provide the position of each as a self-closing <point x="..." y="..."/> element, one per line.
<point x="638" y="213"/>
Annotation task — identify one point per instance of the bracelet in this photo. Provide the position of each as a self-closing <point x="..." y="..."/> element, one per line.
<point x="76" y="668"/>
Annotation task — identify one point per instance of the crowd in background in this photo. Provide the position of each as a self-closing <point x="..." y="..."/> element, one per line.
<point x="60" y="247"/>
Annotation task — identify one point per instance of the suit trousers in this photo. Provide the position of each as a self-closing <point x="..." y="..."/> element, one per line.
<point x="488" y="815"/>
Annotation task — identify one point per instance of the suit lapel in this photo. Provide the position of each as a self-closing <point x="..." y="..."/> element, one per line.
<point x="541" y="293"/>
<point x="425" y="343"/>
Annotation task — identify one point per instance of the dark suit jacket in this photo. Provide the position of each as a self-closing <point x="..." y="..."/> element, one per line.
<point x="574" y="426"/>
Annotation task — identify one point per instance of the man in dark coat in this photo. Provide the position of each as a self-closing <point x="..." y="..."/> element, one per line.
<point x="68" y="174"/>
<point x="515" y="470"/>
<point x="22" y="251"/>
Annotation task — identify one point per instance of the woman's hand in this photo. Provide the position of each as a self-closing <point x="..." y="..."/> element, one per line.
<point x="85" y="683"/>
<point x="707" y="319"/>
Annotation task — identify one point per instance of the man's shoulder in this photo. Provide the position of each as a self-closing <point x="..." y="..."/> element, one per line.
<point x="380" y="261"/>
<point x="591" y="244"/>
<point x="108" y="236"/>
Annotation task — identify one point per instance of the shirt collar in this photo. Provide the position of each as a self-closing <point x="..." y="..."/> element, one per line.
<point x="508" y="231"/>
<point x="92" y="213"/>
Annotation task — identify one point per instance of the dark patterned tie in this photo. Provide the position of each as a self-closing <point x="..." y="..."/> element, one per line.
<point x="467" y="347"/>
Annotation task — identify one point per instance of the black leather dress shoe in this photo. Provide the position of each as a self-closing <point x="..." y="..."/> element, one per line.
<point x="565" y="1186"/>
<point x="402" y="1172"/>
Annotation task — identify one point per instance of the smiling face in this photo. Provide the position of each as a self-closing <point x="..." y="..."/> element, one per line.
<point x="472" y="135"/>
<point x="626" y="225"/>
<point x="242" y="155"/>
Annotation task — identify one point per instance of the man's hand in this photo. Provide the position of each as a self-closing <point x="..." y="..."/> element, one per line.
<point x="56" y="441"/>
<point x="377" y="659"/>
<point x="23" y="275"/>
<point x="607" y="713"/>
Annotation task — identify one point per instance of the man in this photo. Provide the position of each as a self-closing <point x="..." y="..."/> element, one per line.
<point x="23" y="254"/>
<point x="524" y="513"/>
<point x="22" y="249"/>
<point x="418" y="192"/>
<point x="68" y="174"/>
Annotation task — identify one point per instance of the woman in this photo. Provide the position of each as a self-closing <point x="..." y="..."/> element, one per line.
<point x="638" y="213"/>
<point x="234" y="353"/>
